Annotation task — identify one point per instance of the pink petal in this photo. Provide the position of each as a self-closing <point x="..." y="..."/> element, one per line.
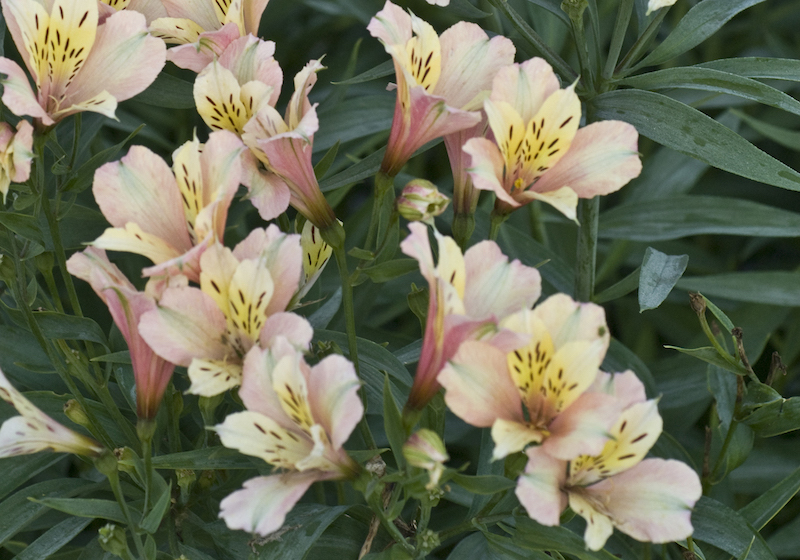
<point x="567" y="320"/>
<point x="140" y="188"/>
<point x="602" y="159"/>
<point x="470" y="61"/>
<point x="200" y="11"/>
<point x="17" y="93"/>
<point x="539" y="488"/>
<point x="268" y="192"/>
<point x="495" y="286"/>
<point x="263" y="502"/>
<point x="392" y="25"/>
<point x="187" y="324"/>
<point x="257" y="391"/>
<point x="333" y="398"/>
<point x="486" y="168"/>
<point x="211" y="44"/>
<point x="22" y="144"/>
<point x="124" y="60"/>
<point x="582" y="429"/>
<point x="250" y="58"/>
<point x="478" y="387"/>
<point x="652" y="501"/>
<point x="525" y="86"/>
<point x="418" y="246"/>
<point x="294" y="328"/>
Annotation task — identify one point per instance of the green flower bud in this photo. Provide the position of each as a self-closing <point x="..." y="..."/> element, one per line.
<point x="112" y="539"/>
<point x="425" y="450"/>
<point x="421" y="201"/>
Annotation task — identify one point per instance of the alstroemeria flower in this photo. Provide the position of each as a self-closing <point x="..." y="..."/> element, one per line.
<point x="537" y="151"/>
<point x="76" y="64"/>
<point x="297" y="419"/>
<point x="650" y="500"/>
<point x="127" y="305"/>
<point x="441" y="81"/>
<point x="35" y="431"/>
<point x="169" y="216"/>
<point x="537" y="393"/>
<point x="316" y="254"/>
<point x="469" y="295"/>
<point x="242" y="296"/>
<point x="284" y="146"/>
<point x="15" y="154"/>
<point x="654" y="5"/>
<point x="228" y="93"/>
<point x="204" y="28"/>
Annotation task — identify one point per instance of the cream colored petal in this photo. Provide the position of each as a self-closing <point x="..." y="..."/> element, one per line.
<point x="598" y="525"/>
<point x="218" y="98"/>
<point x="292" y="390"/>
<point x="218" y="267"/>
<point x="452" y="268"/>
<point x="17" y="93"/>
<point x="333" y="398"/>
<point x="565" y="200"/>
<point x="103" y="103"/>
<point x="28" y="22"/>
<point x="132" y="239"/>
<point x="539" y="489"/>
<point x="212" y="377"/>
<point x="249" y="294"/>
<point x="175" y="30"/>
<point x="201" y="11"/>
<point x="568" y="320"/>
<point x="654" y="5"/>
<point x="508" y="129"/>
<point x="510" y="437"/>
<point x="525" y="86"/>
<point x="188" y="174"/>
<point x="260" y="436"/>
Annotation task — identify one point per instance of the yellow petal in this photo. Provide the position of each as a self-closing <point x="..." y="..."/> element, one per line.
<point x="175" y="30"/>
<point x="70" y="37"/>
<point x="132" y="239"/>
<point x="188" y="174"/>
<point x="451" y="266"/>
<point x="510" y="437"/>
<point x="598" y="525"/>
<point x="117" y="4"/>
<point x="258" y="435"/>
<point x="218" y="97"/>
<point x="290" y="386"/>
<point x="424" y="54"/>
<point x="249" y="294"/>
<point x="212" y="377"/>
<point x="315" y="252"/>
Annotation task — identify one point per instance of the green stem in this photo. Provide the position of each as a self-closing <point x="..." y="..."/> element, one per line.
<point x="113" y="479"/>
<point x="588" y="214"/>
<point x="471" y="525"/>
<point x="390" y="527"/>
<point x="642" y="43"/>
<point x="146" y="429"/>
<point x="723" y="451"/>
<point x="497" y="220"/>
<point x="582" y="48"/>
<point x="618" y="37"/>
<point x="534" y="40"/>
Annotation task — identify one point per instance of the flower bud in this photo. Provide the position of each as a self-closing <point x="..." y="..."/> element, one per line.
<point x="421" y="201"/>
<point x="112" y="539"/>
<point x="75" y="412"/>
<point x="425" y="450"/>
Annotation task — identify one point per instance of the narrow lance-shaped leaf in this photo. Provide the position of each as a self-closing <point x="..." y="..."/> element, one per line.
<point x="658" y="276"/>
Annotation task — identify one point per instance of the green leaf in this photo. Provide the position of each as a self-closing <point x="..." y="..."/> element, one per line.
<point x="354" y="118"/>
<point x="54" y="539"/>
<point x="92" y="508"/>
<point x="390" y="270"/>
<point x="700" y="23"/>
<point x="708" y="79"/>
<point x="718" y="525"/>
<point x="682" y="216"/>
<point x="208" y="458"/>
<point x="365" y="168"/>
<point x="783" y="136"/>
<point x="619" y="358"/>
<point x="169" y="92"/>
<point x="153" y="519"/>
<point x="621" y="288"/>
<point x="760" y="511"/>
<point x="774" y="288"/>
<point x="758" y="67"/>
<point x="688" y="131"/>
<point x="719" y="314"/>
<point x="382" y="70"/>
<point x="18" y="470"/>
<point x="519" y="245"/>
<point x="305" y="524"/>
<point x="533" y="536"/>
<point x="69" y="327"/>
<point x="322" y="316"/>
<point x="486" y="484"/>
<point x="775" y="418"/>
<point x="122" y="357"/>
<point x="739" y="448"/>
<point x="322" y="166"/>
<point x="658" y="276"/>
<point x="710" y="355"/>
<point x="23" y="225"/>
<point x="85" y="175"/>
<point x="393" y="424"/>
<point x="554" y="7"/>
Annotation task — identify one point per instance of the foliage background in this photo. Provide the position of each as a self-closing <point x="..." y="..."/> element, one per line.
<point x="740" y="235"/>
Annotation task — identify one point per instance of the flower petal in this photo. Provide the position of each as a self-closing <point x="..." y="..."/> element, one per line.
<point x="263" y="502"/>
<point x="599" y="526"/>
<point x="583" y="428"/>
<point x="510" y="437"/>
<point x="257" y="435"/>
<point x="17" y="93"/>
<point x="525" y="86"/>
<point x="333" y="398"/>
<point x="212" y="377"/>
<point x="539" y="487"/>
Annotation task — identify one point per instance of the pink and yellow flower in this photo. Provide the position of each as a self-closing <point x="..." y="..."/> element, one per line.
<point x="204" y="28"/>
<point x="297" y="419"/>
<point x="127" y="305"/>
<point x="537" y="393"/>
<point x="15" y="154"/>
<point x="35" y="431"/>
<point x="77" y="63"/>
<point x="169" y="216"/>
<point x="441" y="80"/>
<point x="469" y="295"/>
<point x="240" y="303"/>
<point x="151" y="9"/>
<point x="537" y="151"/>
<point x="650" y="500"/>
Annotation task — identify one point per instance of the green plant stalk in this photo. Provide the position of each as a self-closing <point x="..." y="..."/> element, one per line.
<point x="588" y="217"/>
<point x="582" y="48"/>
<point x="146" y="429"/>
<point x="20" y="295"/>
<point x="101" y="392"/>
<point x="641" y="44"/>
<point x="497" y="220"/>
<point x="113" y="479"/>
<point x="375" y="505"/>
<point x="724" y="450"/>
<point x="535" y="40"/>
<point x="718" y="347"/>
<point x="350" y="325"/>
<point x="618" y="37"/>
<point x="471" y="525"/>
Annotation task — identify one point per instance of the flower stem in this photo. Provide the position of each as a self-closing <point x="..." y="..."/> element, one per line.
<point x="113" y="479"/>
<point x="472" y="525"/>
<point x="581" y="45"/>
<point x="588" y="214"/>
<point x="146" y="429"/>
<point x="497" y="220"/>
<point x="618" y="37"/>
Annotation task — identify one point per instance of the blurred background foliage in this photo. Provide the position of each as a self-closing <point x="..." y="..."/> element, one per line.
<point x="740" y="236"/>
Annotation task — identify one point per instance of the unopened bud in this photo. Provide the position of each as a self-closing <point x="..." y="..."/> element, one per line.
<point x="112" y="539"/>
<point x="425" y="450"/>
<point x="421" y="201"/>
<point x="129" y="456"/>
<point x="75" y="412"/>
<point x="186" y="478"/>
